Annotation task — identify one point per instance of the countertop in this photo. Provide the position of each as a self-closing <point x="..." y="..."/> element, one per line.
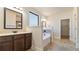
<point x="7" y="34"/>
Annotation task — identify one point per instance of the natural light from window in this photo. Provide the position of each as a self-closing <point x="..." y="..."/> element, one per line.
<point x="33" y="19"/>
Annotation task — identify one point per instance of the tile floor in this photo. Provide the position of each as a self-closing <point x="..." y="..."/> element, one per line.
<point x="61" y="45"/>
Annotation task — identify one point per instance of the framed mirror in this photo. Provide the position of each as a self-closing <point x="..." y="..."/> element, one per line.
<point x="12" y="19"/>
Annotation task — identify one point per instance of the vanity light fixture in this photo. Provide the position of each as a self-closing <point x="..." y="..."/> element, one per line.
<point x="18" y="8"/>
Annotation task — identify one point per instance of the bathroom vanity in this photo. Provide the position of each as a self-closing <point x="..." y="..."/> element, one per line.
<point x="15" y="41"/>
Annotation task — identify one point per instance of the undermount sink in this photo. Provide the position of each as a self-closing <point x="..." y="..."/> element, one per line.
<point x="14" y="31"/>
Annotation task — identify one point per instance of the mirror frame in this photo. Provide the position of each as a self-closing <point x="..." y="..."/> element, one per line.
<point x="5" y="9"/>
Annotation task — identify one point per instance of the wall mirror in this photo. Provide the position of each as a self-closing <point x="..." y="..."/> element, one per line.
<point x="12" y="19"/>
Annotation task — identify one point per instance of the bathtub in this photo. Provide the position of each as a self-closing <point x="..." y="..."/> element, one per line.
<point x="46" y="38"/>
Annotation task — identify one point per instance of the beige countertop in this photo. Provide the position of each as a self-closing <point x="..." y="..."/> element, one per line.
<point x="7" y="34"/>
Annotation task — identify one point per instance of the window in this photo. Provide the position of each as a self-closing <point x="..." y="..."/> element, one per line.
<point x="33" y="19"/>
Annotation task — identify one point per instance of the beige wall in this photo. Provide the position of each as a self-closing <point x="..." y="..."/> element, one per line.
<point x="55" y="21"/>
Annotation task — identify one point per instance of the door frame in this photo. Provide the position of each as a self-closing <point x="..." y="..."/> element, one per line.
<point x="69" y="27"/>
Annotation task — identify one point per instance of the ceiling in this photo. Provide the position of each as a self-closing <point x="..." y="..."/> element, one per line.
<point x="47" y="11"/>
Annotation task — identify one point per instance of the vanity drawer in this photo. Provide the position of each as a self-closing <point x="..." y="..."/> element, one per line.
<point x="6" y="38"/>
<point x="18" y="36"/>
<point x="29" y="35"/>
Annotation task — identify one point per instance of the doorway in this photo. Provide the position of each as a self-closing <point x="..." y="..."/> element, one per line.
<point x="65" y="29"/>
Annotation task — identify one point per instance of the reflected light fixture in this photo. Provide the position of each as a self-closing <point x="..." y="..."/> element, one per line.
<point x="43" y="20"/>
<point x="18" y="8"/>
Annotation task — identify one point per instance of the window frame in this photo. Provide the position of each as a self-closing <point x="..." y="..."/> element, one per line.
<point x="37" y="19"/>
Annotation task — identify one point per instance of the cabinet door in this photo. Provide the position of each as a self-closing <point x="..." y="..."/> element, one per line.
<point x="19" y="43"/>
<point x="28" y="41"/>
<point x="6" y="44"/>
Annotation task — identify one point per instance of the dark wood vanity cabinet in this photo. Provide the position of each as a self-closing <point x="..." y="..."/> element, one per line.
<point x="19" y="42"/>
<point x="6" y="43"/>
<point x="28" y="41"/>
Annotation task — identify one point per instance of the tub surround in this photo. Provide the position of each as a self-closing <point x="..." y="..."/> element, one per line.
<point x="46" y="39"/>
<point x="47" y="34"/>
